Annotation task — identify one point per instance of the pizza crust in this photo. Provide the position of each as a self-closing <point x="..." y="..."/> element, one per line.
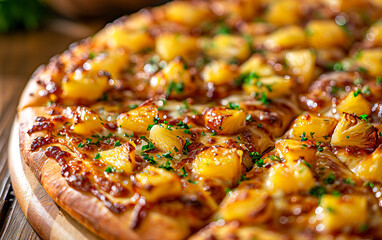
<point x="84" y="207"/>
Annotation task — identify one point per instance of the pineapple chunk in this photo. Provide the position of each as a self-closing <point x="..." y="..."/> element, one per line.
<point x="371" y="59"/>
<point x="90" y="83"/>
<point x="293" y="150"/>
<point x="167" y="139"/>
<point x="187" y="13"/>
<point x="227" y="47"/>
<point x="119" y="37"/>
<point x="285" y="12"/>
<point x="155" y="183"/>
<point x="113" y="62"/>
<point x="219" y="73"/>
<point x="286" y="37"/>
<point x="80" y="85"/>
<point x="240" y="9"/>
<point x="353" y="131"/>
<point x="370" y="168"/>
<point x="219" y="162"/>
<point x="312" y="127"/>
<point x="171" y="45"/>
<point x="225" y="121"/>
<point x="86" y="122"/>
<point x="374" y="35"/>
<point x="325" y="34"/>
<point x="289" y="178"/>
<point x="354" y="103"/>
<point x="174" y="74"/>
<point x="302" y="65"/>
<point x="137" y="120"/>
<point x="247" y="205"/>
<point x="122" y="157"/>
<point x="257" y="64"/>
<point x="273" y="86"/>
<point x="342" y="212"/>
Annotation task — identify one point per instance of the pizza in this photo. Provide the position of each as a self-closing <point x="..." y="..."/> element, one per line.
<point x="222" y="119"/>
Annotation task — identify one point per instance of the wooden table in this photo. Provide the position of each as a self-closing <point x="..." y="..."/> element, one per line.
<point x="20" y="54"/>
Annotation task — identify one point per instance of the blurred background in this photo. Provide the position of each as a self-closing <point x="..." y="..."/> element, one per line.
<point x="31" y="32"/>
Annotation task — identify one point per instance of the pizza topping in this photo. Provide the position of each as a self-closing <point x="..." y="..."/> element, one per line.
<point x="41" y="141"/>
<point x="195" y="111"/>
<point x="41" y="125"/>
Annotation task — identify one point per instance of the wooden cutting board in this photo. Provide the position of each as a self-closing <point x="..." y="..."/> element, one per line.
<point x="43" y="214"/>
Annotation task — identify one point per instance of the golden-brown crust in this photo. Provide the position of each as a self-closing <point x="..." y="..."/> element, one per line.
<point x="84" y="207"/>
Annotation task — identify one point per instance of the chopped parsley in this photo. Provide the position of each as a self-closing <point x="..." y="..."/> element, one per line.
<point x="336" y="193"/>
<point x="91" y="55"/>
<point x="168" y="155"/>
<point x="307" y="164"/>
<point x="356" y="93"/>
<point x="234" y="106"/>
<point x="366" y="91"/>
<point x="109" y="169"/>
<point x="97" y="156"/>
<point x="263" y="98"/>
<point x="349" y="181"/>
<point x="184" y="173"/>
<point x="177" y="87"/>
<point x="249" y="118"/>
<point x="337" y="67"/>
<point x="223" y="29"/>
<point x="144" y="138"/>
<point x="334" y="90"/>
<point x="379" y="80"/>
<point x="148" y="158"/>
<point x="330" y="179"/>
<point x="362" y="70"/>
<point x="363" y="117"/>
<point x="274" y="158"/>
<point x="213" y="133"/>
<point x="126" y="135"/>
<point x="117" y="143"/>
<point x="150" y="126"/>
<point x="133" y="106"/>
<point x="80" y="145"/>
<point x="167" y="166"/>
<point x="317" y="191"/>
<point x="246" y="78"/>
<point x="182" y="125"/>
<point x="148" y="147"/>
<point x="164" y="102"/>
<point x="303" y="137"/>
<point x="203" y="133"/>
<point x="358" y="54"/>
<point x="227" y="190"/>
<point x="242" y="178"/>
<point x="256" y="159"/>
<point x="185" y="147"/>
<point x="368" y="184"/>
